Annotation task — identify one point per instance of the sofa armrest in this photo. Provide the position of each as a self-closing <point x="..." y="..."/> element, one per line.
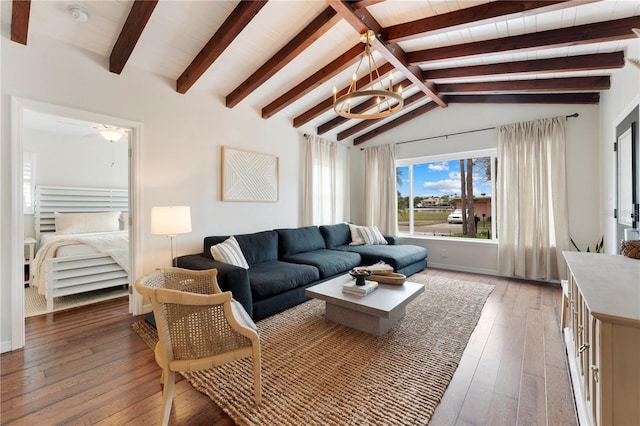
<point x="230" y="277"/>
<point x="392" y="240"/>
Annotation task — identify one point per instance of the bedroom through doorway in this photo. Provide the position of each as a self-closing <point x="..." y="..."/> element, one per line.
<point x="74" y="169"/>
<point x="17" y="221"/>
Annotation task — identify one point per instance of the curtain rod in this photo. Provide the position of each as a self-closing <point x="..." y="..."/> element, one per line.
<point x="566" y="117"/>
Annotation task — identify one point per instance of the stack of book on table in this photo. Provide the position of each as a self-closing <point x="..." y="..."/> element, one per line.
<point x="359" y="290"/>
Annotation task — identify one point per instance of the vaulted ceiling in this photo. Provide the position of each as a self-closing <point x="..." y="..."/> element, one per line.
<point x="285" y="57"/>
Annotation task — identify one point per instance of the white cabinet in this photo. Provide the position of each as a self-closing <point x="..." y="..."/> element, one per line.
<point x="601" y="321"/>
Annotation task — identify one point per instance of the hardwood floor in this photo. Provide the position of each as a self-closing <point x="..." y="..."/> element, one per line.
<point x="88" y="366"/>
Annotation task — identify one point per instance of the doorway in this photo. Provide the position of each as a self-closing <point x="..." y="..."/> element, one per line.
<point x="627" y="148"/>
<point x="21" y="108"/>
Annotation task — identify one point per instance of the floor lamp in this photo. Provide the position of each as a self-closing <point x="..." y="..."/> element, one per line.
<point x="171" y="221"/>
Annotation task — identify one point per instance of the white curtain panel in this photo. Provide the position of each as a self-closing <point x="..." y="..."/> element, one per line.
<point x="380" y="192"/>
<point x="326" y="183"/>
<point x="533" y="226"/>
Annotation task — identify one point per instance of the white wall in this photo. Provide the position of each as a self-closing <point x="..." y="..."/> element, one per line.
<point x="582" y="169"/>
<point x="73" y="160"/>
<point x="182" y="139"/>
<point x="616" y="103"/>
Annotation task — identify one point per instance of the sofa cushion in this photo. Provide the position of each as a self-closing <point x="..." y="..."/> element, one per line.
<point x="328" y="262"/>
<point x="371" y="235"/>
<point x="275" y="277"/>
<point x="356" y="238"/>
<point x="335" y="235"/>
<point x="229" y="251"/>
<point x="397" y="256"/>
<point x="299" y="240"/>
<point x="257" y="247"/>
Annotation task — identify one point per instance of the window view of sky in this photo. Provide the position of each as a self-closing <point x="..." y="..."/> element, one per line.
<point x="440" y="178"/>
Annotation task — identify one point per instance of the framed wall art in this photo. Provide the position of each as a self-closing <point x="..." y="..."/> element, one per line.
<point x="249" y="176"/>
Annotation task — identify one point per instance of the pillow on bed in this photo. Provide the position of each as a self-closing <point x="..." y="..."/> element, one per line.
<point x="229" y="252"/>
<point x="76" y="223"/>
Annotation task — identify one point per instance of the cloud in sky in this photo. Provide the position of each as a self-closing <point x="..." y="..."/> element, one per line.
<point x="444" y="186"/>
<point x="439" y="167"/>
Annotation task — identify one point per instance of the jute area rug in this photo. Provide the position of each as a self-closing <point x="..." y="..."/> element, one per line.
<point x="316" y="372"/>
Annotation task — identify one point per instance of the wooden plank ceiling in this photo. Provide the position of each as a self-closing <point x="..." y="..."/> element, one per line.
<point x="456" y="71"/>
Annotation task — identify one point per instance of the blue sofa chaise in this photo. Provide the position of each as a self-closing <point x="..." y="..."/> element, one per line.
<point x="284" y="262"/>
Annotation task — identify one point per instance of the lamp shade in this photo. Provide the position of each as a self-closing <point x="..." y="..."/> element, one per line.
<point x="170" y="220"/>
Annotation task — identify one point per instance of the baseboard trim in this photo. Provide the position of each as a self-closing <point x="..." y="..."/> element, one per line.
<point x="449" y="267"/>
<point x="5" y="346"/>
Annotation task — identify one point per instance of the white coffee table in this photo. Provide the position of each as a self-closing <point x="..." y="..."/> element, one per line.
<point x="374" y="313"/>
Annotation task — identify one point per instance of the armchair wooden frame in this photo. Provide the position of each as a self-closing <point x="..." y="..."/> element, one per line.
<point x="199" y="327"/>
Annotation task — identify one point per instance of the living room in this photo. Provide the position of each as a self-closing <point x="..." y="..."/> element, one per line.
<point x="177" y="154"/>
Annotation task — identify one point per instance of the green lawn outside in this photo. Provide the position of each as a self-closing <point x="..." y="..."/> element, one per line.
<point x="421" y="218"/>
<point x="425" y="218"/>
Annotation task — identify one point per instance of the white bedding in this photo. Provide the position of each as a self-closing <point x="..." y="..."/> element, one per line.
<point x="115" y="243"/>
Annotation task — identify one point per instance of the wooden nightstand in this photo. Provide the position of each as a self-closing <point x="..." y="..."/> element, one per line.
<point x="29" y="243"/>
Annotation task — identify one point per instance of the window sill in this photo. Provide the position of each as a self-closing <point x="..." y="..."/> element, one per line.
<point x="455" y="240"/>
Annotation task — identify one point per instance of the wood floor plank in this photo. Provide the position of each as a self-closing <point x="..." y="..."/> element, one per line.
<point x="503" y="410"/>
<point x="533" y="361"/>
<point x="561" y="409"/>
<point x="88" y="366"/>
<point x="532" y="408"/>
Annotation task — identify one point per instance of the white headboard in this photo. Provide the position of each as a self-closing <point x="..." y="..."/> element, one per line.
<point x="68" y="199"/>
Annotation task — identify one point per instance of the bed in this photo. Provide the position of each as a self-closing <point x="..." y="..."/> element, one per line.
<point x="80" y="247"/>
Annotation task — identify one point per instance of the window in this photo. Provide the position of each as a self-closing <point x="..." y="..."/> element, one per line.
<point x="447" y="195"/>
<point x="28" y="181"/>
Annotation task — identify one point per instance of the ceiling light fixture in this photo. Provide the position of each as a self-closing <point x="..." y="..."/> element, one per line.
<point x="112" y="134"/>
<point x="78" y="14"/>
<point x="384" y="96"/>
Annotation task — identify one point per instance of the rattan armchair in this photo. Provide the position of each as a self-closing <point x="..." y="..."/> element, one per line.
<point x="199" y="326"/>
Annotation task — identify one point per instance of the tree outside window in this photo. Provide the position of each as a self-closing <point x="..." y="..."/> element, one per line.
<point x="446" y="196"/>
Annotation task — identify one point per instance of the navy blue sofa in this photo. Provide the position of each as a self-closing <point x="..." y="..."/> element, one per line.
<point x="283" y="262"/>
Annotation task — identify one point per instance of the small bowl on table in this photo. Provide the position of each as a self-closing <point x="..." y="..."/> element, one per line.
<point x="360" y="275"/>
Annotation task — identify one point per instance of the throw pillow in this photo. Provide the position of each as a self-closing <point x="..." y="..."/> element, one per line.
<point x="77" y="223"/>
<point x="371" y="235"/>
<point x="356" y="238"/>
<point x="229" y="252"/>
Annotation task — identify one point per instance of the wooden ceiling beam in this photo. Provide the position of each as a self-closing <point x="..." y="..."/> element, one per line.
<point x="465" y="18"/>
<point x="530" y="98"/>
<point x="360" y="108"/>
<point x="391" y="52"/>
<point x="423" y="109"/>
<point x="327" y="104"/>
<point x="551" y="98"/>
<point x="598" y="61"/>
<point x="368" y="123"/>
<point x="336" y="66"/>
<point x="139" y="15"/>
<point x="312" y="32"/>
<point x="20" y="10"/>
<point x="619" y="29"/>
<point x="569" y="84"/>
<point x="239" y="18"/>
